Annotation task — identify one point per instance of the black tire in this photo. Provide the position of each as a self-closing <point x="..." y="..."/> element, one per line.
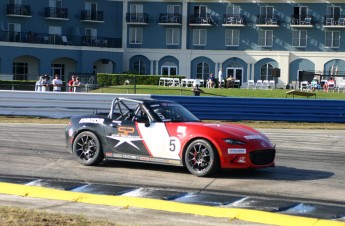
<point x="87" y="149"/>
<point x="201" y="159"/>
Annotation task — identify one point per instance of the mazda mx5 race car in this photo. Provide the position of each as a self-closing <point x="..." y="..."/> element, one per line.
<point x="164" y="132"/>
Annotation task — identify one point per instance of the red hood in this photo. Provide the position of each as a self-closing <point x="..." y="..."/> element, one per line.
<point x="235" y="130"/>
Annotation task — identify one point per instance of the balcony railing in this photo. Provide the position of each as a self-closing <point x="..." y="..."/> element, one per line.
<point x="233" y="20"/>
<point x="58" y="13"/>
<point x="54" y="39"/>
<point x="91" y="15"/>
<point x="18" y="10"/>
<point x="137" y="18"/>
<point x="170" y="18"/>
<point x="268" y="21"/>
<point x="334" y="21"/>
<point x="298" y="20"/>
<point x="201" y="20"/>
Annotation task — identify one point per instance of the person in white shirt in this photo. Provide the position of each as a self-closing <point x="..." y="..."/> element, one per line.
<point x="220" y="79"/>
<point x="38" y="85"/>
<point x="45" y="83"/>
<point x="57" y="83"/>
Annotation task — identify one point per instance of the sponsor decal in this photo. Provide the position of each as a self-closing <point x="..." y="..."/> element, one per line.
<point x="124" y="136"/>
<point x="109" y="154"/>
<point x="125" y="130"/>
<point x="144" y="159"/>
<point x="263" y="144"/>
<point x="157" y="160"/>
<point x="253" y="137"/>
<point x="237" y="151"/>
<point x="173" y="162"/>
<point x="92" y="120"/>
<point x="129" y="156"/>
<point x="117" y="122"/>
<point x="181" y="131"/>
<point x="70" y="132"/>
<point x="117" y="155"/>
<point x="242" y="160"/>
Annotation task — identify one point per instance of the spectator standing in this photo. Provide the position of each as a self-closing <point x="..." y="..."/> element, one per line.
<point x="220" y="78"/>
<point x="70" y="83"/>
<point x="45" y="83"/>
<point x="57" y="83"/>
<point x="38" y="85"/>
<point x="211" y="81"/>
<point x="76" y="84"/>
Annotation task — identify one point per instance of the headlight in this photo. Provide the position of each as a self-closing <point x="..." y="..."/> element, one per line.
<point x="234" y="142"/>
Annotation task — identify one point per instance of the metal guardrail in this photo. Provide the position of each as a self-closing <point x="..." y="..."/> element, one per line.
<point x="66" y="104"/>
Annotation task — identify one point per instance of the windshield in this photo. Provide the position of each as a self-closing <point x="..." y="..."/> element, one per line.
<point x="172" y="112"/>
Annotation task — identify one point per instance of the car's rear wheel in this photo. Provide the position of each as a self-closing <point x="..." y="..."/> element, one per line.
<point x="201" y="159"/>
<point x="87" y="149"/>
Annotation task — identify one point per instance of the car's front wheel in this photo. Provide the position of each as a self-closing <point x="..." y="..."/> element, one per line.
<point x="87" y="149"/>
<point x="201" y="159"/>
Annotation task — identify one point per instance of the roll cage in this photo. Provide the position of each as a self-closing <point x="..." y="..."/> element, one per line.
<point x="149" y="110"/>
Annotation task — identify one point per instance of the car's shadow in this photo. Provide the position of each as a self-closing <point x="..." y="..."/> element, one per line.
<point x="272" y="173"/>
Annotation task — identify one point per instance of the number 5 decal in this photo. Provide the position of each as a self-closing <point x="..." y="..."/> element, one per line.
<point x="174" y="145"/>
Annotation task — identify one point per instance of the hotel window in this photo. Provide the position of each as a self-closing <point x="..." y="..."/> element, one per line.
<point x="266" y="38"/>
<point x="266" y="72"/>
<point x="332" y="39"/>
<point x="333" y="12"/>
<point x="300" y="13"/>
<point x="202" y="71"/>
<point x="135" y="35"/>
<point x="266" y="11"/>
<point x="140" y="67"/>
<point x="14" y="32"/>
<point x="199" y="37"/>
<point x="299" y="38"/>
<point x="233" y="11"/>
<point x="173" y="9"/>
<point x="232" y="37"/>
<point x="173" y="36"/>
<point x="20" y="71"/>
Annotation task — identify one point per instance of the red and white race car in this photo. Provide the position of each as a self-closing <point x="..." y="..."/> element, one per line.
<point x="164" y="132"/>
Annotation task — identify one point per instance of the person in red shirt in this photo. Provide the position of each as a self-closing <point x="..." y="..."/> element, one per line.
<point x="70" y="83"/>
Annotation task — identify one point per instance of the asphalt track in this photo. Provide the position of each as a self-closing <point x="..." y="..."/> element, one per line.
<point x="309" y="170"/>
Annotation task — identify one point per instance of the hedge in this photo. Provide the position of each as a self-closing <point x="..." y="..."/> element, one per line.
<point x="120" y="79"/>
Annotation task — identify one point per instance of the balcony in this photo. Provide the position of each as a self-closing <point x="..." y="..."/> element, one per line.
<point x="137" y="18"/>
<point x="202" y="21"/>
<point x="55" y="39"/>
<point x="264" y="21"/>
<point x="303" y="22"/>
<point x="170" y="19"/>
<point x="92" y="16"/>
<point x="16" y="10"/>
<point x="230" y="20"/>
<point x="53" y="13"/>
<point x="333" y="22"/>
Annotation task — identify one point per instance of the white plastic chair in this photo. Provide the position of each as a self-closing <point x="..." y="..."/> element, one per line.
<point x="304" y="85"/>
<point x="237" y="83"/>
<point x="265" y="84"/>
<point x="271" y="84"/>
<point x="258" y="84"/>
<point x="176" y="82"/>
<point x="161" y="81"/>
<point x="251" y="84"/>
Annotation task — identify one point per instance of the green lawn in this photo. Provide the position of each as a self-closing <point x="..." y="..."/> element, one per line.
<point x="182" y="91"/>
